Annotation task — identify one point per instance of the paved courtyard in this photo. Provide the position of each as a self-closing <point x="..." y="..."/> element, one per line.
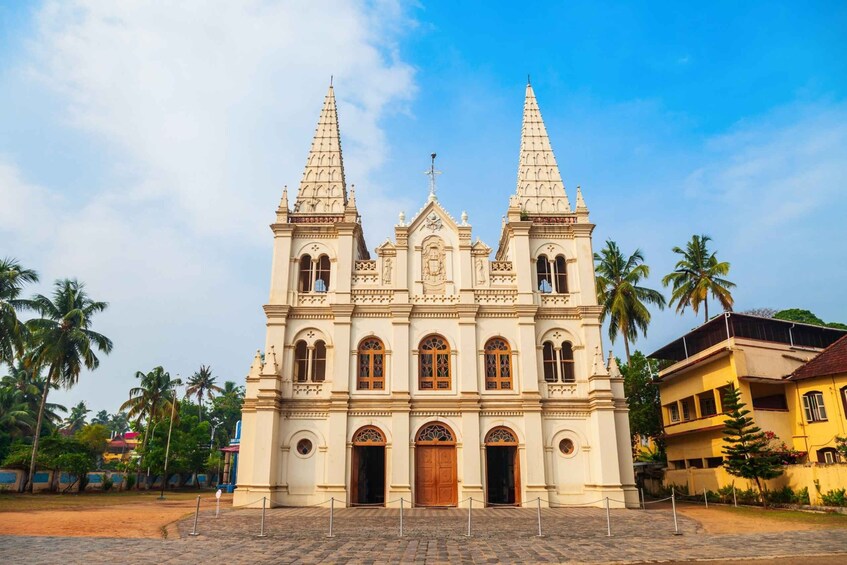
<point x="430" y="536"/>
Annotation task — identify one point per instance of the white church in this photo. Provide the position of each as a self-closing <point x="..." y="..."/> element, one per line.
<point x="429" y="371"/>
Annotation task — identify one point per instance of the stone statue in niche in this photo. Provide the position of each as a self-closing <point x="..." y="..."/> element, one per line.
<point x="433" y="266"/>
<point x="480" y="271"/>
<point x="386" y="270"/>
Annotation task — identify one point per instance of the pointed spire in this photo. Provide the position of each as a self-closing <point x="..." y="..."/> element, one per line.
<point x="256" y="366"/>
<point x="271" y="367"/>
<point x="598" y="367"/>
<point x="323" y="189"/>
<point x="612" y="366"/>
<point x="580" y="203"/>
<point x="540" y="189"/>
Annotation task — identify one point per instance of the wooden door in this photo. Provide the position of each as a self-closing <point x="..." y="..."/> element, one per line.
<point x="435" y="475"/>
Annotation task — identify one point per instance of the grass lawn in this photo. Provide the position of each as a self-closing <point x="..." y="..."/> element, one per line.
<point x="782" y="514"/>
<point x="720" y="519"/>
<point x="47" y="501"/>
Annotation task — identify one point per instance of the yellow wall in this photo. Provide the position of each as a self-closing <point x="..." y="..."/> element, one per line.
<point x="813" y="436"/>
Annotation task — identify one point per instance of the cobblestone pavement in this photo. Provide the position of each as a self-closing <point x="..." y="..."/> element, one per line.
<point x="430" y="536"/>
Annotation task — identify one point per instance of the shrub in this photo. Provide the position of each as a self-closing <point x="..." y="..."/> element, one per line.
<point x="783" y="496"/>
<point x="802" y="496"/>
<point x="837" y="497"/>
<point x="107" y="484"/>
<point x="129" y="481"/>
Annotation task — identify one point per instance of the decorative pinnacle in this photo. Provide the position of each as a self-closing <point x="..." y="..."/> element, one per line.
<point x="580" y="203"/>
<point x="432" y="173"/>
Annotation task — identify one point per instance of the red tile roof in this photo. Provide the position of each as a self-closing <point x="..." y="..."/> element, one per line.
<point x="830" y="361"/>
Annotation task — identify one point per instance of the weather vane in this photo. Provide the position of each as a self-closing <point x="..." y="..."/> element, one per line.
<point x="432" y="173"/>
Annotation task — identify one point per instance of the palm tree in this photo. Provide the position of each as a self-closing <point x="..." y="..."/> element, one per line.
<point x="64" y="342"/>
<point x="76" y="419"/>
<point x="201" y="384"/>
<point x="12" y="331"/>
<point x="151" y="400"/>
<point x="15" y="416"/>
<point x="698" y="274"/>
<point x="618" y="293"/>
<point x="118" y="423"/>
<point x="24" y="376"/>
<point x="102" y="417"/>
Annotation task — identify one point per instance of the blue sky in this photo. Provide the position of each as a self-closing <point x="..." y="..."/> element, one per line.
<point x="143" y="148"/>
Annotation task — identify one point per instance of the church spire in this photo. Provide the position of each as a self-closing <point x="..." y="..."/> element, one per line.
<point x="323" y="189"/>
<point x="540" y="189"/>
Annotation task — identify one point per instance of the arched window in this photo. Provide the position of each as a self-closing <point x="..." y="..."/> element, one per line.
<point x="498" y="364"/>
<point x="322" y="274"/>
<point x="545" y="278"/>
<point x="568" y="373"/>
<point x="434" y="363"/>
<point x="301" y="361"/>
<point x="319" y="362"/>
<point x="814" y="407"/>
<point x="561" y="275"/>
<point x="368" y="435"/>
<point x="306" y="273"/>
<point x="435" y="433"/>
<point x="371" y="374"/>
<point x="549" y="362"/>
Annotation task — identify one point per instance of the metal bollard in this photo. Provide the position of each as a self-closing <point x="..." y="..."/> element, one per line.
<point x="540" y="535"/>
<point x="196" y="513"/>
<point x="470" y="507"/>
<point x="262" y="528"/>
<point x="608" y="519"/>
<point x="676" y="531"/>
<point x="705" y="498"/>
<point x="331" y="512"/>
<point x="401" y="516"/>
<point x="734" y="500"/>
<point x="641" y="498"/>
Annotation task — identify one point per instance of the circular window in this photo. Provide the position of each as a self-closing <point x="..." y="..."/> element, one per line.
<point x="566" y="446"/>
<point x="304" y="447"/>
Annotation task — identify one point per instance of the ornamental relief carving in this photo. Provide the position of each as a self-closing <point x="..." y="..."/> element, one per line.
<point x="433" y="265"/>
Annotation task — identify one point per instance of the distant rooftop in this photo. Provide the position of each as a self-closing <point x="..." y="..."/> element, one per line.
<point x="730" y="324"/>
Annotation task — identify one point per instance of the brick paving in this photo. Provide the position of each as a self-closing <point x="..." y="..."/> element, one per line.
<point x="368" y="535"/>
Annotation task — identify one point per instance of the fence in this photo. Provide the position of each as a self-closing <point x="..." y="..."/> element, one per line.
<point x="472" y="517"/>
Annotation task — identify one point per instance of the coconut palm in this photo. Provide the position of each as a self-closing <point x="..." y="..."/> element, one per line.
<point x="102" y="417"/>
<point x="202" y="384"/>
<point x="15" y="416"/>
<point x="12" y="330"/>
<point x="697" y="275"/>
<point x="623" y="301"/>
<point x="76" y="419"/>
<point x="64" y="342"/>
<point x="24" y="376"/>
<point x="118" y="423"/>
<point x="151" y="400"/>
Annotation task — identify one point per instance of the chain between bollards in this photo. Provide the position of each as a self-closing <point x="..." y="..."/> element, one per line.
<point x="262" y="528"/>
<point x="608" y="519"/>
<point x="331" y="512"/>
<point x="196" y="514"/>
<point x="540" y="535"/>
<point x="401" y="516"/>
<point x="470" y="507"/>
<point x="676" y="531"/>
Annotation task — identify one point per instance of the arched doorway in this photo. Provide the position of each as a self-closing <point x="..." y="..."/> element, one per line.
<point x="502" y="467"/>
<point x="435" y="466"/>
<point x="367" y="484"/>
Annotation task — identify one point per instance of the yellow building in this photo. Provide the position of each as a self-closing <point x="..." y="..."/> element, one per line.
<point x="756" y="355"/>
<point x="817" y="400"/>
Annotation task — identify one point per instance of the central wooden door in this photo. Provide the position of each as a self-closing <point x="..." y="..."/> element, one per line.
<point x="436" y="481"/>
<point x="435" y="475"/>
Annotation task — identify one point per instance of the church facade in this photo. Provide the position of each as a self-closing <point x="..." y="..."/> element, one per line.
<point x="429" y="371"/>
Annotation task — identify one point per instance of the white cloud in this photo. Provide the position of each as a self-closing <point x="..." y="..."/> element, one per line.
<point x="205" y="109"/>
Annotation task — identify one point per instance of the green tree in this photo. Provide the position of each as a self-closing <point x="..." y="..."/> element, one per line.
<point x="746" y="446"/>
<point x="95" y="437"/>
<point x="64" y="342"/>
<point x="13" y="277"/>
<point x="226" y="411"/>
<point x="806" y="317"/>
<point x="189" y="449"/>
<point x="118" y="423"/>
<point x="623" y="301"/>
<point x="24" y="376"/>
<point x="76" y="419"/>
<point x="202" y="385"/>
<point x="102" y="417"/>
<point x="151" y="400"/>
<point x="697" y="275"/>
<point x="642" y="398"/>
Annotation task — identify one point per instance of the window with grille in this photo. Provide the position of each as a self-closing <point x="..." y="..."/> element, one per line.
<point x="305" y="273"/>
<point x="498" y="365"/>
<point x="322" y="274"/>
<point x="568" y="372"/>
<point x="301" y="362"/>
<point x="814" y="407"/>
<point x="319" y="362"/>
<point x="545" y="276"/>
<point x="371" y="374"/>
<point x="434" y="364"/>
<point x="550" y="373"/>
<point x="561" y="275"/>
<point x="673" y="412"/>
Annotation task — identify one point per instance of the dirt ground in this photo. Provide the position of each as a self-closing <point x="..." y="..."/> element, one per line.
<point x="718" y="519"/>
<point x="127" y="516"/>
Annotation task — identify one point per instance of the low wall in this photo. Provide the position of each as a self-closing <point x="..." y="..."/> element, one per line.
<point x="828" y="477"/>
<point x="10" y="480"/>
